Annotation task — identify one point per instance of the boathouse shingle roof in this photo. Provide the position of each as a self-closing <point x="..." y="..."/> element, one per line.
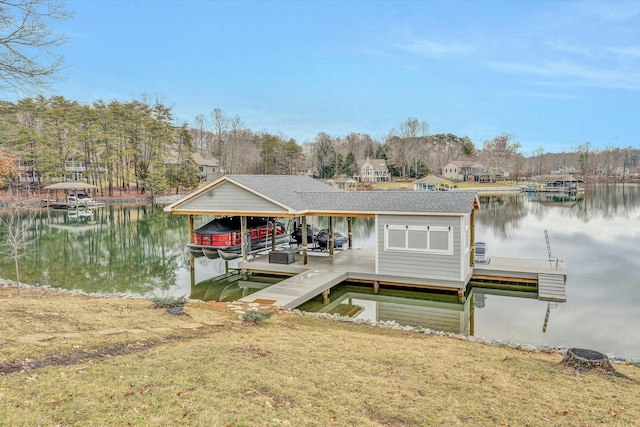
<point x="307" y="194"/>
<point x="304" y="194"/>
<point x="370" y="202"/>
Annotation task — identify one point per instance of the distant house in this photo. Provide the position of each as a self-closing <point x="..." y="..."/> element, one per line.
<point x="79" y="170"/>
<point x="372" y="170"/>
<point x="208" y="168"/>
<point x="563" y="169"/>
<point x="465" y="170"/>
<point x="432" y="183"/>
<point x="28" y="171"/>
<point x="74" y="170"/>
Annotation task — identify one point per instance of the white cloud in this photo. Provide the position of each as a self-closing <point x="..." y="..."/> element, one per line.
<point x="549" y="95"/>
<point x="611" y="11"/>
<point x="570" y="74"/>
<point x="630" y="51"/>
<point x="564" y="47"/>
<point x="372" y="52"/>
<point x="431" y="48"/>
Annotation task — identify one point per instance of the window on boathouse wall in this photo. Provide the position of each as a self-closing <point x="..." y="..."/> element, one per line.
<point x="433" y="239"/>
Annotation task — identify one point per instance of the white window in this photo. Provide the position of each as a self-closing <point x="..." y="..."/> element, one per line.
<point x="432" y="239"/>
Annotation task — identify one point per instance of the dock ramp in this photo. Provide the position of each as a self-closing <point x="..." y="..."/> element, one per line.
<point x="298" y="289"/>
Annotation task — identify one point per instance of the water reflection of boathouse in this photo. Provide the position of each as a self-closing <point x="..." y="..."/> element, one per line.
<point x="433" y="311"/>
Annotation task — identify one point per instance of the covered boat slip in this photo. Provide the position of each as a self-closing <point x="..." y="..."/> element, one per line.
<point x="75" y="195"/>
<point x="423" y="239"/>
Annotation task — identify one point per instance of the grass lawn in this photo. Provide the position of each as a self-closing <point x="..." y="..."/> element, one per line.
<point x="80" y="361"/>
<point x="405" y="185"/>
<point x="393" y="185"/>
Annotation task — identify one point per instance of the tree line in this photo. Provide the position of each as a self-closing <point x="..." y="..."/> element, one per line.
<point x="137" y="146"/>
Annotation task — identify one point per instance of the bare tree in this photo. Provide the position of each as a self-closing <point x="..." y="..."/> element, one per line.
<point x="235" y="149"/>
<point x="18" y="237"/>
<point x="500" y="152"/>
<point x="220" y="124"/>
<point x="405" y="143"/>
<point x="199" y="134"/>
<point x="411" y="128"/>
<point x="538" y="155"/>
<point x="585" y="158"/>
<point x="28" y="61"/>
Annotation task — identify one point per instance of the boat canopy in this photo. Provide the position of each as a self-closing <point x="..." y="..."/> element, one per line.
<point x="229" y="224"/>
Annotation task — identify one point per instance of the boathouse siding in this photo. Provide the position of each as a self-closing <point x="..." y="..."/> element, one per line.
<point x="448" y="262"/>
<point x="228" y="197"/>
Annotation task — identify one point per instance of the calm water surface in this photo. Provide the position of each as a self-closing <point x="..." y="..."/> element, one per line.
<point x="139" y="250"/>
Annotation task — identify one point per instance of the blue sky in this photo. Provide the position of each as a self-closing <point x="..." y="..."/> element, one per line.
<point x="555" y="74"/>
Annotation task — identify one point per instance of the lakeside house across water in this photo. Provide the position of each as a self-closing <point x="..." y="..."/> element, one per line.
<point x="423" y="239"/>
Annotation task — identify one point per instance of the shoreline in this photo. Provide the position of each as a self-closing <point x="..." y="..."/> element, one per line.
<point x="21" y="202"/>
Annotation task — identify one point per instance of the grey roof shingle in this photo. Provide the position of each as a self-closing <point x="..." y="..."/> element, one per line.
<point x="304" y="193"/>
<point x="366" y="202"/>
<point x="285" y="189"/>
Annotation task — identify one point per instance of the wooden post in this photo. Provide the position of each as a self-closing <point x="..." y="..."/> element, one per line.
<point x="191" y="258"/>
<point x="192" y="276"/>
<point x="330" y="237"/>
<point x="325" y="296"/>
<point x="273" y="235"/>
<point x="243" y="237"/>
<point x="472" y="314"/>
<point x="472" y="238"/>
<point x="376" y="286"/>
<point x="461" y="296"/>
<point x="304" y="241"/>
<point x="350" y="231"/>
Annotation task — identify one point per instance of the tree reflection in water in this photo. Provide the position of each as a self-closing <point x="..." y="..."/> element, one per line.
<point x="133" y="249"/>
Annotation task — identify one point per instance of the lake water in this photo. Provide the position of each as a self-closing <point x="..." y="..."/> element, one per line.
<point x="140" y="250"/>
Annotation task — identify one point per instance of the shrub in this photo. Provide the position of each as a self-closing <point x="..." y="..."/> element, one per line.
<point x="168" y="302"/>
<point x="255" y="317"/>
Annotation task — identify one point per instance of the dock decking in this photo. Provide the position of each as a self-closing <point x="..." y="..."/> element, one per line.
<point x="549" y="275"/>
<point x="298" y="289"/>
<point x="323" y="272"/>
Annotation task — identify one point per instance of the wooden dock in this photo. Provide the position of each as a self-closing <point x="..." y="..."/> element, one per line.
<point x="298" y="289"/>
<point x="323" y="272"/>
<point x="550" y="276"/>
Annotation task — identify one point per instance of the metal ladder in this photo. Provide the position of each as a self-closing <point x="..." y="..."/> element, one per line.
<point x="550" y="305"/>
<point x="546" y="238"/>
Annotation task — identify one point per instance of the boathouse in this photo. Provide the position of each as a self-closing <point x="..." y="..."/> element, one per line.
<point x="423" y="239"/>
